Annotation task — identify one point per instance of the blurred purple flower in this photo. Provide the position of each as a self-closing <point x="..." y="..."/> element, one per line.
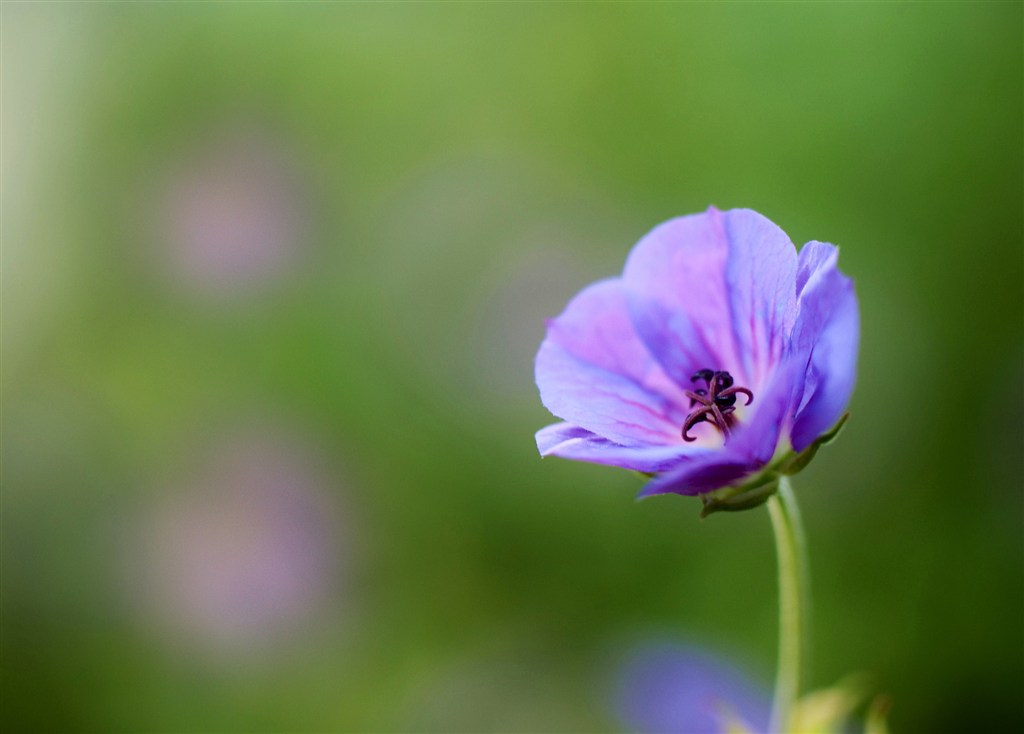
<point x="666" y="687"/>
<point x="717" y="350"/>
<point x="246" y="553"/>
<point x="231" y="215"/>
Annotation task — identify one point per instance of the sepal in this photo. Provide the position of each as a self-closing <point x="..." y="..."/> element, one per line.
<point x="761" y="486"/>
<point x="745" y="497"/>
<point x="832" y="710"/>
<point x="795" y="463"/>
<point x="877" y="719"/>
<point x="828" y="710"/>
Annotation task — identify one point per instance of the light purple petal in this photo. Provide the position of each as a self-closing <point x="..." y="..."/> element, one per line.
<point x="675" y="277"/>
<point x="747" y="451"/>
<point x="815" y="257"/>
<point x="594" y="372"/>
<point x="551" y="437"/>
<point x="827" y="333"/>
<point x="572" y="442"/>
<point x="714" y="290"/>
<point x="761" y="274"/>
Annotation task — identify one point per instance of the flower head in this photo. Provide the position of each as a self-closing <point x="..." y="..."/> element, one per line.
<point x="718" y="357"/>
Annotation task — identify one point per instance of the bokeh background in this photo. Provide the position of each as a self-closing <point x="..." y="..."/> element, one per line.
<point x="273" y="279"/>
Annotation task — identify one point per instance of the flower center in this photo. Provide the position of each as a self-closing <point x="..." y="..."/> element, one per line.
<point x="715" y="404"/>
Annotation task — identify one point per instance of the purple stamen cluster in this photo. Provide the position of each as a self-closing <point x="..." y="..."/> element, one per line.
<point x="717" y="402"/>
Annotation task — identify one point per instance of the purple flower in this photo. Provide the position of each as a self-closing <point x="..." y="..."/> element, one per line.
<point x="718" y="354"/>
<point x="668" y="687"/>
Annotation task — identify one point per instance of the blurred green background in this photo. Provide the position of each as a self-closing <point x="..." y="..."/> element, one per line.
<point x="273" y="279"/>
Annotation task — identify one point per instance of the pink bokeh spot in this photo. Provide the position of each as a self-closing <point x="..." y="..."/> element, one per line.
<point x="247" y="552"/>
<point x="231" y="216"/>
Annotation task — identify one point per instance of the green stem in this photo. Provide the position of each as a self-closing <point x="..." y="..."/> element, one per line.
<point x="793" y="593"/>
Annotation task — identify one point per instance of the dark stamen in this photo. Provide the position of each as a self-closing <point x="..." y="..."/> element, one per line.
<point x="725" y="401"/>
<point x="716" y="405"/>
<point x="724" y="379"/>
<point x="730" y="392"/>
<point x="705" y="375"/>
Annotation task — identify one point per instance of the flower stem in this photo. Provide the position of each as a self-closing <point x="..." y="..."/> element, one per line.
<point x="793" y="594"/>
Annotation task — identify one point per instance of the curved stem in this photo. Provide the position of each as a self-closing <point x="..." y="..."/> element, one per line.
<point x="793" y="593"/>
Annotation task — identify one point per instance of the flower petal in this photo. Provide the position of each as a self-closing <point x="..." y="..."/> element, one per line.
<point x="749" y="449"/>
<point x="827" y="333"/>
<point x="675" y="277"/>
<point x="593" y="371"/>
<point x="699" y="474"/>
<point x="714" y="290"/>
<point x="760" y="277"/>
<point x="572" y="442"/>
